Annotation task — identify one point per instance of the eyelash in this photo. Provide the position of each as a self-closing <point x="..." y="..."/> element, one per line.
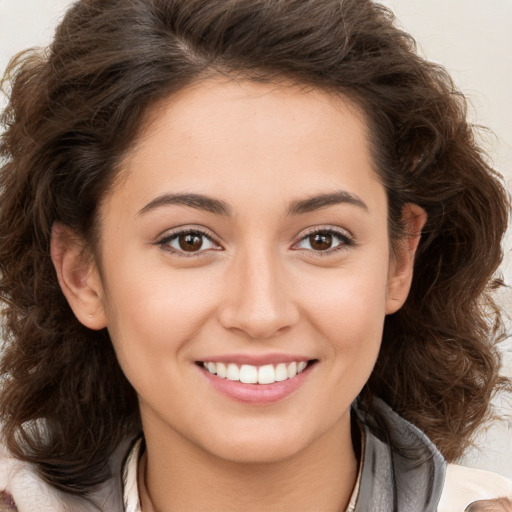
<point x="165" y="241"/>
<point x="346" y="241"/>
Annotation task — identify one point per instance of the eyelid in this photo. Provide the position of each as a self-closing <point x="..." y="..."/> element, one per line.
<point x="164" y="239"/>
<point x="344" y="235"/>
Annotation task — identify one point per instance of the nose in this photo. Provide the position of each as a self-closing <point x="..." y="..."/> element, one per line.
<point x="259" y="300"/>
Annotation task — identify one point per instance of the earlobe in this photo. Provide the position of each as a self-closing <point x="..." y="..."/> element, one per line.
<point x="402" y="262"/>
<point x="78" y="277"/>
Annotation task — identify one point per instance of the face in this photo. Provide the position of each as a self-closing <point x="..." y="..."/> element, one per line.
<point x="248" y="234"/>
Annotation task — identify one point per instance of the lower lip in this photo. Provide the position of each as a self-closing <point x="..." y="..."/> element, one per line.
<point x="256" y="393"/>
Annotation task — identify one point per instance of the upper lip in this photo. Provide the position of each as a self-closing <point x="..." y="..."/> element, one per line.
<point x="255" y="359"/>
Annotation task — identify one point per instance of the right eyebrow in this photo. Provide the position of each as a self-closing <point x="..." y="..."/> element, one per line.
<point x="197" y="201"/>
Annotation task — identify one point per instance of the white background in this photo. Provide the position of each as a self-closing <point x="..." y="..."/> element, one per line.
<point x="472" y="38"/>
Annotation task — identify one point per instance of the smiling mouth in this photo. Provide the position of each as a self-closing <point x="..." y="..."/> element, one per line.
<point x="249" y="374"/>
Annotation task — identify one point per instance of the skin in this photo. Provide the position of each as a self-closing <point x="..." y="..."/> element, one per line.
<point x="259" y="287"/>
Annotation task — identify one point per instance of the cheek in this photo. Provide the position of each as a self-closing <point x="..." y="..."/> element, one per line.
<point x="153" y="325"/>
<point x="153" y="312"/>
<point x="347" y="316"/>
<point x="349" y="301"/>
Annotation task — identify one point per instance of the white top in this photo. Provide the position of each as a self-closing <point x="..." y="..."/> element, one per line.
<point x="464" y="486"/>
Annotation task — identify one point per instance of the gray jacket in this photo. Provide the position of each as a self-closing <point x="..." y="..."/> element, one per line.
<point x="391" y="481"/>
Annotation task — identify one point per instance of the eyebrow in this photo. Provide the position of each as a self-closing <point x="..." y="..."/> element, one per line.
<point x="216" y="206"/>
<point x="324" y="200"/>
<point x="197" y="201"/>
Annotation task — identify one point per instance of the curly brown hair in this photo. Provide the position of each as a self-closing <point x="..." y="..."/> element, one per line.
<point x="76" y="108"/>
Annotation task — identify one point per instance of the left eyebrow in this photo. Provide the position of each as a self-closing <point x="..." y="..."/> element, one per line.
<point x="325" y="200"/>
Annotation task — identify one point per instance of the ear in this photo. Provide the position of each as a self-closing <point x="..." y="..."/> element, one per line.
<point x="402" y="260"/>
<point x="78" y="277"/>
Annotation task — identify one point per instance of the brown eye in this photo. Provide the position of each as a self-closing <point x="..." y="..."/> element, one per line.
<point x="190" y="242"/>
<point x="320" y="241"/>
<point x="325" y="241"/>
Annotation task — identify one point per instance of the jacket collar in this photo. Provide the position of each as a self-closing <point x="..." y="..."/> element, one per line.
<point x="408" y="479"/>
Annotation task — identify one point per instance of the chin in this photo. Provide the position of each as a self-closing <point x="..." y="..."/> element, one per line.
<point x="260" y="446"/>
<point x="259" y="453"/>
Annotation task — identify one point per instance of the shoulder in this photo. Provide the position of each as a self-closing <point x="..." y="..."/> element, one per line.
<point x="20" y="487"/>
<point x="23" y="490"/>
<point x="475" y="490"/>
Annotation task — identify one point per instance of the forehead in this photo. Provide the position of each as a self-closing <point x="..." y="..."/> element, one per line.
<point x="238" y="137"/>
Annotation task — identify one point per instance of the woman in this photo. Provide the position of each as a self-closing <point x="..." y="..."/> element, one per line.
<point x="247" y="249"/>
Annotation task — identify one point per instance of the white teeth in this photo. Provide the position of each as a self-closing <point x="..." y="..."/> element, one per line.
<point x="291" y="370"/>
<point x="249" y="374"/>
<point x="281" y="372"/>
<point x="221" y="370"/>
<point x="233" y="373"/>
<point x="266" y="374"/>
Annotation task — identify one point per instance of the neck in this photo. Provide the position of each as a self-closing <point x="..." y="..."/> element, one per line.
<point x="175" y="476"/>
